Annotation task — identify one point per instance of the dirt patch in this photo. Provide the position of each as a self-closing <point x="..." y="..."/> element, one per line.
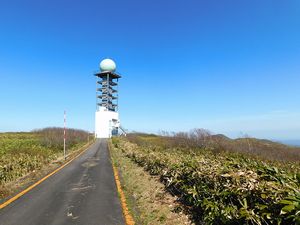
<point x="90" y="163"/>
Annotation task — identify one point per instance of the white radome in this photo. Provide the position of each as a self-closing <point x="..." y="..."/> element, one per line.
<point x="107" y="65"/>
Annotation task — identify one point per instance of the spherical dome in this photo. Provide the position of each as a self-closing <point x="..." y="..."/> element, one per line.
<point x="107" y="65"/>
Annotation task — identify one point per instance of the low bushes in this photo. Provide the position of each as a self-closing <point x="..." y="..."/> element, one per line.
<point x="52" y="137"/>
<point x="21" y="153"/>
<point x="223" y="188"/>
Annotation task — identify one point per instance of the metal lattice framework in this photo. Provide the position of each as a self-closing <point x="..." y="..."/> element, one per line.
<point x="107" y="90"/>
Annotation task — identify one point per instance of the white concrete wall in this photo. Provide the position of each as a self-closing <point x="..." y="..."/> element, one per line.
<point x="105" y="121"/>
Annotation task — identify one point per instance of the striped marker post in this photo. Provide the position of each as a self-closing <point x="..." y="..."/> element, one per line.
<point x="65" y="134"/>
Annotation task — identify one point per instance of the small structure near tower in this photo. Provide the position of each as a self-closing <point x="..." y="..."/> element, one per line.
<point x="107" y="121"/>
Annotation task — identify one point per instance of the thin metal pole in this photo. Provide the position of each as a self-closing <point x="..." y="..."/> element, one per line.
<point x="96" y="93"/>
<point x="65" y="134"/>
<point x="117" y="88"/>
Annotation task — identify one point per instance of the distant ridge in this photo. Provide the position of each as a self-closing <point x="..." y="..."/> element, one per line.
<point x="291" y="142"/>
<point x="220" y="136"/>
<point x="288" y="150"/>
<point x="286" y="143"/>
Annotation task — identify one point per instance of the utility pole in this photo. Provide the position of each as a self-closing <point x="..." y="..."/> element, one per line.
<point x="65" y="134"/>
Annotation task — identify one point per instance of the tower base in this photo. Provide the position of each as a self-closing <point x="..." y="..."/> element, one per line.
<point x="106" y="123"/>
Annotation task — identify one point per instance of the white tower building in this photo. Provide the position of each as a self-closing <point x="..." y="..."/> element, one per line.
<point x="107" y="121"/>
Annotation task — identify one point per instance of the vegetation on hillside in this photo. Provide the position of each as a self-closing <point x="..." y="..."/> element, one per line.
<point x="219" y="186"/>
<point x="201" y="138"/>
<point x="148" y="201"/>
<point x="24" y="152"/>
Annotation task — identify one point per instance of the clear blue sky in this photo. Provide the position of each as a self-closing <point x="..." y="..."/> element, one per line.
<point x="229" y="66"/>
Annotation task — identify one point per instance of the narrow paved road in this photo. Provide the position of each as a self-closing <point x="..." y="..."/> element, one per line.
<point x="82" y="193"/>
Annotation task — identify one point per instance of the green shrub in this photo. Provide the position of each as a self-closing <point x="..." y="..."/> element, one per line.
<point x="23" y="152"/>
<point x="223" y="188"/>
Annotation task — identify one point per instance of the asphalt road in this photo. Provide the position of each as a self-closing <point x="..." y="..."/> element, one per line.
<point x="82" y="193"/>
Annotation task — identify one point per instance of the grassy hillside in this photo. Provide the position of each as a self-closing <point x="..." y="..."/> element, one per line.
<point x="22" y="153"/>
<point x="219" y="187"/>
<point x="201" y="138"/>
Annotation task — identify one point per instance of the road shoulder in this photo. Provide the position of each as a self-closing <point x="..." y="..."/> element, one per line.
<point x="146" y="197"/>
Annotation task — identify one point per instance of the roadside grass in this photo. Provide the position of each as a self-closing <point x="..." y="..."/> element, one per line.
<point x="220" y="187"/>
<point x="25" y="156"/>
<point x="147" y="200"/>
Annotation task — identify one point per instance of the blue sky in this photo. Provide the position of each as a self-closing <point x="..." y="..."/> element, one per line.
<point x="232" y="67"/>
